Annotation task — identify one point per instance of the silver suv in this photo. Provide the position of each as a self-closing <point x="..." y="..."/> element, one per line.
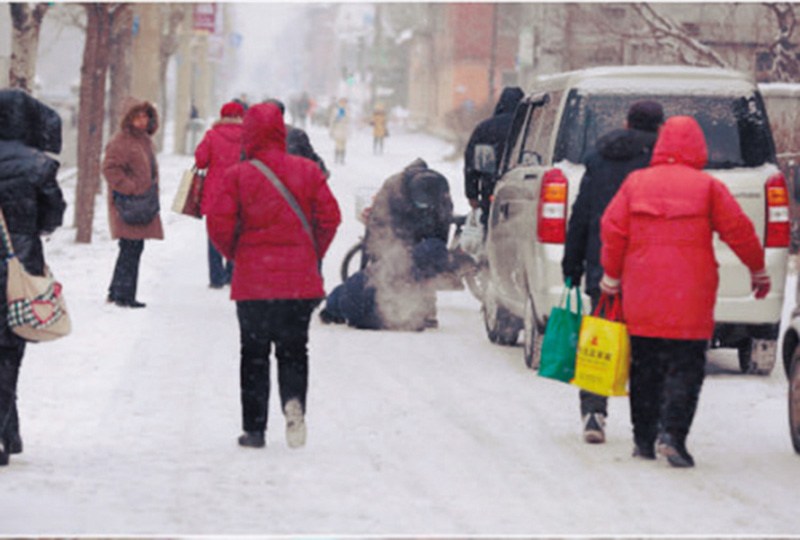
<point x="556" y="127"/>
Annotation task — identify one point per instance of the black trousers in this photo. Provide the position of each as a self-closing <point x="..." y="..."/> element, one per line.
<point x="10" y="362"/>
<point x="665" y="381"/>
<point x="263" y="323"/>
<point x="126" y="271"/>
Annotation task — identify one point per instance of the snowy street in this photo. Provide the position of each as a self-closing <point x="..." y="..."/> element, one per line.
<point x="130" y="423"/>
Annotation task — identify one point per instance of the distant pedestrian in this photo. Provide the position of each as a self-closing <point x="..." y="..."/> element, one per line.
<point x="485" y="148"/>
<point x="339" y="129"/>
<point x="658" y="251"/>
<point x="380" y="128"/>
<point x="130" y="168"/>
<point x="220" y="148"/>
<point x="617" y="154"/>
<point x="276" y="278"/>
<point x="33" y="204"/>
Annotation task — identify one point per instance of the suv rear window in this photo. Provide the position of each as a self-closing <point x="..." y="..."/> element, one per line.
<point x="736" y="128"/>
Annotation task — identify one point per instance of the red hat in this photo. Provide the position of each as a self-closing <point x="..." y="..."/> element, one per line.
<point x="231" y="109"/>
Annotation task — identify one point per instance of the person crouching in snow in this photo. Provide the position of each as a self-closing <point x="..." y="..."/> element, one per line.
<point x="220" y="148"/>
<point x="406" y="249"/>
<point x="276" y="279"/>
<point x="657" y="251"/>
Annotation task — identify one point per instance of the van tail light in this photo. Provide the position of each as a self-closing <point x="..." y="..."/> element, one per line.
<point x="777" y="232"/>
<point x="552" y="212"/>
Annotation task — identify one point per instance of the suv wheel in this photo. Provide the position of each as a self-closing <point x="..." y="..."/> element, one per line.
<point x="794" y="400"/>
<point x="501" y="327"/>
<point x="757" y="356"/>
<point x="532" y="336"/>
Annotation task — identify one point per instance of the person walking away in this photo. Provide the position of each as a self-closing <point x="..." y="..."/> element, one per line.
<point x="276" y="275"/>
<point x="220" y="148"/>
<point x="379" y="128"/>
<point x="32" y="204"/>
<point x="657" y="250"/>
<point x="617" y="154"/>
<point x="339" y="127"/>
<point x="485" y="149"/>
<point x="130" y="168"/>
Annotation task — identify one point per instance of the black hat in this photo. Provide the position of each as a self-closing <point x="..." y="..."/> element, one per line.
<point x="645" y="115"/>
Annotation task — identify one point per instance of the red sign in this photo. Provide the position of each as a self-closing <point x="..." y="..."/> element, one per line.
<point x="205" y="16"/>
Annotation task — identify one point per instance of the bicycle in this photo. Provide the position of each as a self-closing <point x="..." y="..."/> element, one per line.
<point x="469" y="266"/>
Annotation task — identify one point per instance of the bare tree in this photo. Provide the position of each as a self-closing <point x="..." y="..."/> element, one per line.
<point x="785" y="57"/>
<point x="26" y="20"/>
<point x="94" y="70"/>
<point x="668" y="33"/>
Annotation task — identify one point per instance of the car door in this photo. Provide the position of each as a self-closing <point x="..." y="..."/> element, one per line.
<point x="513" y="209"/>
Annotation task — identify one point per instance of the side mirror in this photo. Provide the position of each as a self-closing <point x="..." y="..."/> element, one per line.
<point x="484" y="160"/>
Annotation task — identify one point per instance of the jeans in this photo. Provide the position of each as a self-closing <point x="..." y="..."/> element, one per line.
<point x="126" y="271"/>
<point x="263" y="323"/>
<point x="219" y="274"/>
<point x="10" y="362"/>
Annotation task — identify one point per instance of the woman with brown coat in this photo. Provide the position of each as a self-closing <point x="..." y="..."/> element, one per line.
<point x="130" y="168"/>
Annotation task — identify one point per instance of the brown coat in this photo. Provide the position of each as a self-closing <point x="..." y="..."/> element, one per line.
<point x="129" y="162"/>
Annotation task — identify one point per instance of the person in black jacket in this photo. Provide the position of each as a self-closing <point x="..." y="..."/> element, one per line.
<point x="617" y="154"/>
<point x="298" y="143"/>
<point x="32" y="204"/>
<point x="485" y="149"/>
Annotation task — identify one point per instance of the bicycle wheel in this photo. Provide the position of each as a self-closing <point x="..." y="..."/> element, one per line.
<point x="345" y="270"/>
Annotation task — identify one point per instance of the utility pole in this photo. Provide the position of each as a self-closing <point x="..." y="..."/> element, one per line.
<point x="146" y="51"/>
<point x="183" y="98"/>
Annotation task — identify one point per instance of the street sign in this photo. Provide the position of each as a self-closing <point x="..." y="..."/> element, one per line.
<point x="205" y="16"/>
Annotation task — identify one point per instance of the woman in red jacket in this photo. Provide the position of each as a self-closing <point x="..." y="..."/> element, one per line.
<point x="657" y="246"/>
<point x="220" y="148"/>
<point x="276" y="278"/>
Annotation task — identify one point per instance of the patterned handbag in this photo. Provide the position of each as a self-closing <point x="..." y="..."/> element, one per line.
<point x="36" y="307"/>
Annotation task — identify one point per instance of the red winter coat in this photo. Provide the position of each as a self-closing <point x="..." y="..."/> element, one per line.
<point x="252" y="224"/>
<point x="657" y="238"/>
<point x="220" y="148"/>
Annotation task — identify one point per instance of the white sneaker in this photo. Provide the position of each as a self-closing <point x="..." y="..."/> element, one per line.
<point x="593" y="425"/>
<point x="295" y="424"/>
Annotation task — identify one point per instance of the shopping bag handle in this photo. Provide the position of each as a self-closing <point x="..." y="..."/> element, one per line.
<point x="568" y="288"/>
<point x="609" y="307"/>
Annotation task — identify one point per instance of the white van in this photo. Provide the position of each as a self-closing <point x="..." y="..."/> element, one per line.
<point x="556" y="127"/>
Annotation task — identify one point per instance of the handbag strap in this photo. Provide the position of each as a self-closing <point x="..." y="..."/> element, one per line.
<point x="5" y="237"/>
<point x="266" y="171"/>
<point x="609" y="307"/>
<point x="568" y="288"/>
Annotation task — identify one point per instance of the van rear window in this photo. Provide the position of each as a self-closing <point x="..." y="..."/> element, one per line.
<point x="736" y="128"/>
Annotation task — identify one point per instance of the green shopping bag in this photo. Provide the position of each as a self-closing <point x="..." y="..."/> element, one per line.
<point x="560" y="342"/>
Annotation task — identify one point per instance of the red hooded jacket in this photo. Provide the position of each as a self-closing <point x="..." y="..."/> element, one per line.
<point x="657" y="238"/>
<point x="220" y="148"/>
<point x="252" y="224"/>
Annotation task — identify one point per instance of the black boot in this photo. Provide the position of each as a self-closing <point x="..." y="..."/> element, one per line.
<point x="252" y="439"/>
<point x="14" y="444"/>
<point x="673" y="447"/>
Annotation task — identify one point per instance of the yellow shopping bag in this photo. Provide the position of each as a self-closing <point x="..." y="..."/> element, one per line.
<point x="603" y="360"/>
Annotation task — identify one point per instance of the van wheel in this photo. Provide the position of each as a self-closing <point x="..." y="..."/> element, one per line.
<point x="757" y="356"/>
<point x="501" y="327"/>
<point x="794" y="400"/>
<point x="532" y="336"/>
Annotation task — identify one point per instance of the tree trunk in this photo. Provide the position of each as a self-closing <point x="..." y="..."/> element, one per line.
<point x="26" y="21"/>
<point x="120" y="64"/>
<point x="91" y="115"/>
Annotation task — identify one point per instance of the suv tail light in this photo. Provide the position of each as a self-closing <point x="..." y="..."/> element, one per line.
<point x="777" y="212"/>
<point x="552" y="212"/>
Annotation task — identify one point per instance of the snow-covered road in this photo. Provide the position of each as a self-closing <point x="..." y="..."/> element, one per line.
<point x="130" y="424"/>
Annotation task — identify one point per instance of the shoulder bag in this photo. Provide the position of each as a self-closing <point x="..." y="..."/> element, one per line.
<point x="138" y="209"/>
<point x="36" y="307"/>
<point x="266" y="171"/>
